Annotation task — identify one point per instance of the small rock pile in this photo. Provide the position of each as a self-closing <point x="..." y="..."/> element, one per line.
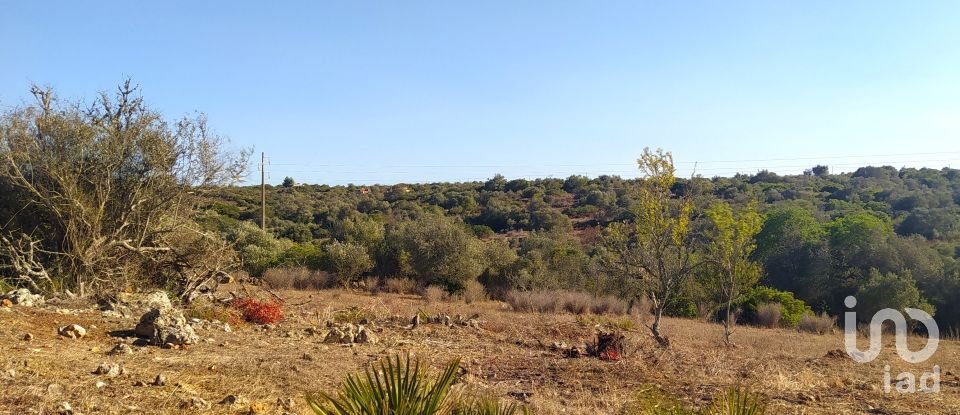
<point x="22" y="297"/>
<point x="165" y="325"/>
<point x="349" y="333"/>
<point x="446" y="320"/>
<point x="210" y="325"/>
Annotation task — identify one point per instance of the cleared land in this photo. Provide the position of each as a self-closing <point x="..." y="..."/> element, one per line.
<point x="272" y="368"/>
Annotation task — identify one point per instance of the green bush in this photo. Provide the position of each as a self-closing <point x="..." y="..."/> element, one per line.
<point x="791" y="309"/>
<point x="889" y="291"/>
<point x="437" y="250"/>
<point x="348" y="261"/>
<point x="301" y="255"/>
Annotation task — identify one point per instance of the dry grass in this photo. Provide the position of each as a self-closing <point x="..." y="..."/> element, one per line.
<point x="768" y="315"/>
<point x="799" y="373"/>
<point x="569" y="301"/>
<point x="204" y="309"/>
<point x="296" y="278"/>
<point x="372" y="284"/>
<point x="400" y="286"/>
<point x="433" y="294"/>
<point x="473" y="292"/>
<point x="819" y="324"/>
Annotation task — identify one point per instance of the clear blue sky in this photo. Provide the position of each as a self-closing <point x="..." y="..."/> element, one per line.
<point x="403" y="91"/>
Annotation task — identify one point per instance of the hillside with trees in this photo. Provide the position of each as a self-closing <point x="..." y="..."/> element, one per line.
<point x="889" y="236"/>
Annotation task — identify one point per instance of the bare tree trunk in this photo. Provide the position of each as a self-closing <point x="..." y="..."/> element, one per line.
<point x="655" y="327"/>
<point x="728" y="323"/>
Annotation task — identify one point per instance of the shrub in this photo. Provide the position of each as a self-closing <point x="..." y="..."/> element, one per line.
<point x="791" y="308"/>
<point x="769" y="315"/>
<point x="400" y="285"/>
<point x="569" y="301"/>
<point x="260" y="311"/>
<point x="348" y="261"/>
<point x="576" y="303"/>
<point x="299" y="278"/>
<point x="433" y="294"/>
<point x="533" y="301"/>
<point x="301" y="255"/>
<point x="473" y="291"/>
<point x="820" y="324"/>
<point x="608" y="305"/>
<point x="437" y="250"/>
<point x="889" y="291"/>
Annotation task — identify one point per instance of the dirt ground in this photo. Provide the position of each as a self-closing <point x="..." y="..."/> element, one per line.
<point x="509" y="355"/>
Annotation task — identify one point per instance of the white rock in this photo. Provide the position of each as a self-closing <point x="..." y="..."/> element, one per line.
<point x="109" y="369"/>
<point x="73" y="331"/>
<point x="121" y="348"/>
<point x="24" y="297"/>
<point x="166" y="326"/>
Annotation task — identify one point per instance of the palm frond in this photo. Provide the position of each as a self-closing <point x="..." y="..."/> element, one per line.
<point x="397" y="386"/>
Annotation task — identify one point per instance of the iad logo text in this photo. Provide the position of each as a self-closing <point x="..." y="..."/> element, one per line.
<point x="906" y="382"/>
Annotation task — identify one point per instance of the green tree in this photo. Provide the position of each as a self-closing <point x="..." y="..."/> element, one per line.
<point x="730" y="246"/>
<point x="348" y="261"/>
<point x="438" y="250"/>
<point x="657" y="246"/>
<point x="889" y="291"/>
<point x="288" y="182"/>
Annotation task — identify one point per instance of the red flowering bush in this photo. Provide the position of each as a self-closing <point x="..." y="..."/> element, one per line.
<point x="260" y="311"/>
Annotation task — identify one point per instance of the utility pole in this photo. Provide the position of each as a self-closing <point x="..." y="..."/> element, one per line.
<point x="263" y="191"/>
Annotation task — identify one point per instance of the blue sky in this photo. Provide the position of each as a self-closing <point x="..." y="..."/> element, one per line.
<point x="386" y="92"/>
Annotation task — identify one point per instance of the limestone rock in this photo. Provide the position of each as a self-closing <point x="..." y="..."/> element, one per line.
<point x="111" y="370"/>
<point x="365" y="335"/>
<point x="343" y="334"/>
<point x="73" y="331"/>
<point x="161" y="326"/>
<point x="195" y="403"/>
<point x="23" y="297"/>
<point x="120" y="349"/>
<point x="233" y="400"/>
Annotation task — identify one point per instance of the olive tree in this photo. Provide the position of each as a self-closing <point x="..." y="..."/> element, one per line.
<point x="348" y="261"/>
<point x="105" y="194"/>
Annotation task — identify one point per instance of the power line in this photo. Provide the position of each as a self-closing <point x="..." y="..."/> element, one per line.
<point x="529" y="171"/>
<point x="501" y="165"/>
